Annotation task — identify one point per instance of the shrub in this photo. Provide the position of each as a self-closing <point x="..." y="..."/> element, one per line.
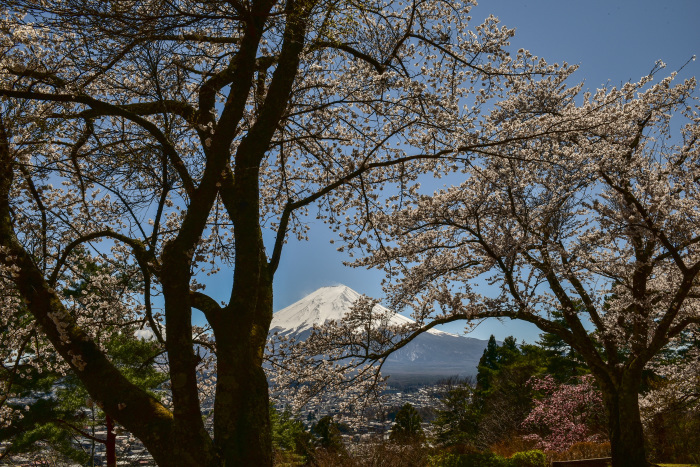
<point x="288" y="459"/>
<point x="476" y="459"/>
<point x="489" y="459"/>
<point x="529" y="459"/>
<point x="383" y="454"/>
<point x="407" y="426"/>
<point x="331" y="458"/>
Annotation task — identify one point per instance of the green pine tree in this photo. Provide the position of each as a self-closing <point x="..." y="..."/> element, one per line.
<point x="328" y="434"/>
<point x="457" y="419"/>
<point x="291" y="442"/>
<point x="407" y="426"/>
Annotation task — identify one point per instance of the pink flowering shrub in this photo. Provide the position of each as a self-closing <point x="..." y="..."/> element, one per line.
<point x="566" y="415"/>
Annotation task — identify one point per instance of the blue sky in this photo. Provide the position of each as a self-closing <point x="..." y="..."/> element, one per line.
<point x="611" y="40"/>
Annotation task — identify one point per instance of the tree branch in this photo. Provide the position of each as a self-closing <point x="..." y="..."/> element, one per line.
<point x="81" y="432"/>
<point x="102" y="108"/>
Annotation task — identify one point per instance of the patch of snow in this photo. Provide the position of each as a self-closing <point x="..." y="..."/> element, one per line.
<point x="326" y="304"/>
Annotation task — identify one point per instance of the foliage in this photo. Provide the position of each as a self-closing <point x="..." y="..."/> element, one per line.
<point x="328" y="434"/>
<point x="493" y="358"/>
<point x="529" y="459"/>
<point x="671" y="405"/>
<point x="290" y="440"/>
<point x="37" y="433"/>
<point x="457" y="420"/>
<point x="487" y="459"/>
<point x="501" y="396"/>
<point x="388" y="454"/>
<point x="56" y="412"/>
<point x="407" y="427"/>
<point x="57" y="407"/>
<point x="583" y="450"/>
<point x="674" y="435"/>
<point x="509" y="445"/>
<point x="563" y="361"/>
<point x="493" y="408"/>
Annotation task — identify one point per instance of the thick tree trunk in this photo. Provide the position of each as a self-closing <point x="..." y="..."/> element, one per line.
<point x="624" y="422"/>
<point x="191" y="444"/>
<point x="242" y="431"/>
<point x="242" y="425"/>
<point x="241" y="412"/>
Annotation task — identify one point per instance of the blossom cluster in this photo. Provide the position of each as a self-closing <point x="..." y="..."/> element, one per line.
<point x="566" y="414"/>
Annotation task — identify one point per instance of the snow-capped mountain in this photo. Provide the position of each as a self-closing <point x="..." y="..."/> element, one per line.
<point x="431" y="356"/>
<point x="323" y="305"/>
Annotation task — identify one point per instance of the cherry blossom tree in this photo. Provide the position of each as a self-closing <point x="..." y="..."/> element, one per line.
<point x="164" y="138"/>
<point x="595" y="225"/>
<point x="568" y="413"/>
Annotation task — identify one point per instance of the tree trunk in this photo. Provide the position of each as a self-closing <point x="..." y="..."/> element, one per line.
<point x="242" y="430"/>
<point x="111" y="443"/>
<point x="624" y="422"/>
<point x="241" y="411"/>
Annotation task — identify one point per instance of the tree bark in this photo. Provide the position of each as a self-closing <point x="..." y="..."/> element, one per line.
<point x="241" y="410"/>
<point x="111" y="443"/>
<point x="190" y="439"/>
<point x="242" y="430"/>
<point x="624" y="421"/>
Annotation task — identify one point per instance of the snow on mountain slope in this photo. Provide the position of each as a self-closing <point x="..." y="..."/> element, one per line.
<point x="431" y="356"/>
<point x="323" y="305"/>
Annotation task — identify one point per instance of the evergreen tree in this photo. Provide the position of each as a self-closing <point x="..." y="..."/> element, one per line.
<point x="328" y="434"/>
<point x="39" y="432"/>
<point x="563" y="362"/>
<point x="457" y="420"/>
<point x="487" y="364"/>
<point x="407" y="426"/>
<point x="290" y="440"/>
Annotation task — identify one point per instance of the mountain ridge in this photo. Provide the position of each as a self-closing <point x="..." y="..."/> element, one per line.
<point x="431" y="356"/>
<point x="325" y="304"/>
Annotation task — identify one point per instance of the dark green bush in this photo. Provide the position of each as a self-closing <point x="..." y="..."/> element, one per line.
<point x="489" y="459"/>
<point x="477" y="459"/>
<point x="528" y="459"/>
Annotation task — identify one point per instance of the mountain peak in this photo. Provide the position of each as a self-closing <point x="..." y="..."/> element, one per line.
<point x="323" y="305"/>
<point x="320" y="306"/>
<point x="430" y="357"/>
<point x="333" y="292"/>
